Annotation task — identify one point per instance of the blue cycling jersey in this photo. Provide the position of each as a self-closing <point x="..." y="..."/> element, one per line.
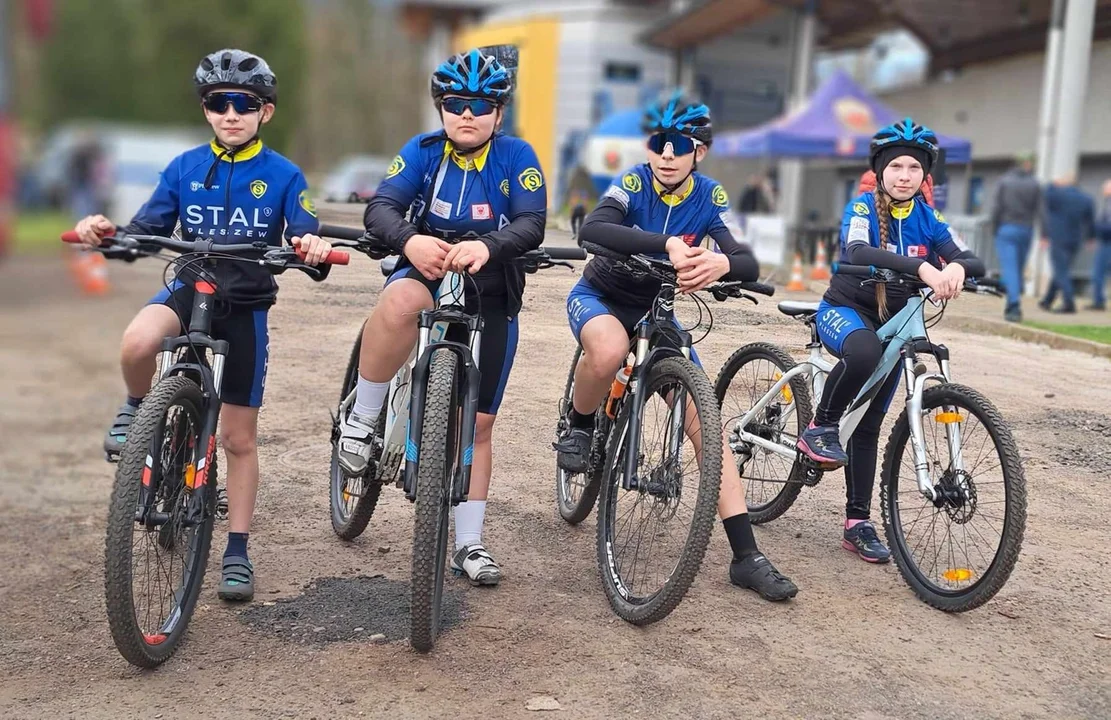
<point x="255" y="195"/>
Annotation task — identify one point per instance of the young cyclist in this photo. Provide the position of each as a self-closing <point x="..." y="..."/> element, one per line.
<point x="892" y="228"/>
<point x="475" y="200"/>
<point x="664" y="208"/>
<point x="232" y="190"/>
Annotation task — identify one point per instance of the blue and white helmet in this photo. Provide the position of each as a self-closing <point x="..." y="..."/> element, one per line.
<point x="903" y="134"/>
<point x="472" y="74"/>
<point x="678" y="114"/>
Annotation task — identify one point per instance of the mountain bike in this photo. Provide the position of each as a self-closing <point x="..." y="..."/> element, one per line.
<point x="667" y="402"/>
<point x="951" y="477"/>
<point x="164" y="496"/>
<point x="427" y="424"/>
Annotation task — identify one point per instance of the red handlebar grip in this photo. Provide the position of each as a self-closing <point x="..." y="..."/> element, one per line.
<point x="70" y="236"/>
<point x="335" y="257"/>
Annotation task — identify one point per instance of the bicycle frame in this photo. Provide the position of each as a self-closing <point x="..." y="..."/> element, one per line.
<point x="405" y="399"/>
<point x="903" y="337"/>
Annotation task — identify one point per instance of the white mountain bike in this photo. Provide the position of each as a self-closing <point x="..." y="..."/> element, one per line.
<point x="952" y="487"/>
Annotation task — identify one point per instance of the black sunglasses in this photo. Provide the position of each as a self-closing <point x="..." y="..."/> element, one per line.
<point x="456" y="106"/>
<point x="218" y="102"/>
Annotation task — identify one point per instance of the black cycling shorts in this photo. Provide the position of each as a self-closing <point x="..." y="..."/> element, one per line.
<point x="248" y="339"/>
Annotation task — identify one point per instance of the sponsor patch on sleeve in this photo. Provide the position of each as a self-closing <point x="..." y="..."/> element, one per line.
<point x="306" y="203"/>
<point x="860" y="208"/>
<point x="858" y="230"/>
<point x="619" y="195"/>
<point x="395" y="167"/>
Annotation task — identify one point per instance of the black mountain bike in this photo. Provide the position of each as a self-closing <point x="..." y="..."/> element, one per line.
<point x="164" y="497"/>
<point x="427" y="423"/>
<point x="649" y="471"/>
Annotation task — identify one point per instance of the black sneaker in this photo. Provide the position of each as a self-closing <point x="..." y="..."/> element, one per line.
<point x="117" y="434"/>
<point x="756" y="572"/>
<point x="863" y="540"/>
<point x="1013" y="314"/>
<point x="573" y="450"/>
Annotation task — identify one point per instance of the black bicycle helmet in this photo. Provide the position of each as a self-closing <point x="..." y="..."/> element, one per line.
<point x="230" y="68"/>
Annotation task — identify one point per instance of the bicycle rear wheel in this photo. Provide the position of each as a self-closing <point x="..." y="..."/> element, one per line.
<point x="576" y="493"/>
<point x="437" y="453"/>
<point x="772" y="481"/>
<point x="352" y="499"/>
<point x="154" y="569"/>
<point x="651" y="538"/>
<point x="958" y="551"/>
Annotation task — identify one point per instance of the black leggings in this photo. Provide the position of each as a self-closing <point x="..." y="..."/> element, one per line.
<point x="860" y="355"/>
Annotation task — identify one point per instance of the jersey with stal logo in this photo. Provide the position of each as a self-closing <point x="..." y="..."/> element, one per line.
<point x="255" y="196"/>
<point x="915" y="231"/>
<point x="699" y="207"/>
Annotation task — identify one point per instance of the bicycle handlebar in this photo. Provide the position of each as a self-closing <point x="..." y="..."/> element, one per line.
<point x="665" y="271"/>
<point x="983" y="286"/>
<point x="133" y="246"/>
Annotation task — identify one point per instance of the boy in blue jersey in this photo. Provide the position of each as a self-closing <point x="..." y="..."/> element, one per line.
<point x="466" y="199"/>
<point x="232" y="190"/>
<point x="891" y="228"/>
<point x="663" y="208"/>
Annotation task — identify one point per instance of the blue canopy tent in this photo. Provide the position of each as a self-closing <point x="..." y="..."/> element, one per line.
<point x="837" y="122"/>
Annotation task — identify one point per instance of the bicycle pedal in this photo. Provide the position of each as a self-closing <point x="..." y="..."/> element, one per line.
<point x="221" y="504"/>
<point x="111" y="457"/>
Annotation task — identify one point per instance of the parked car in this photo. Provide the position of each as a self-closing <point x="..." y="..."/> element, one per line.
<point x="355" y="179"/>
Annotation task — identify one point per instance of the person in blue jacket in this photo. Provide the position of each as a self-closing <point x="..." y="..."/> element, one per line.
<point x="231" y="190"/>
<point x="467" y="199"/>
<point x="893" y="228"/>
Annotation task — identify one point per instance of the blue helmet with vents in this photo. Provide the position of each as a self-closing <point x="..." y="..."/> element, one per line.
<point x="679" y="114"/>
<point x="472" y="74"/>
<point x="918" y="139"/>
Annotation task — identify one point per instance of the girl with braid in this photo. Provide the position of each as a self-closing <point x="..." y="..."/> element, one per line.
<point x="894" y="228"/>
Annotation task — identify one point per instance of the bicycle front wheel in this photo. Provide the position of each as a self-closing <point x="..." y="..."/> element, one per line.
<point x="652" y="537"/>
<point x="437" y="453"/>
<point x="154" y="554"/>
<point x="957" y="550"/>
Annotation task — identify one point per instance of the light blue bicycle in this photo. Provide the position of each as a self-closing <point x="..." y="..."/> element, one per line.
<point x="952" y="488"/>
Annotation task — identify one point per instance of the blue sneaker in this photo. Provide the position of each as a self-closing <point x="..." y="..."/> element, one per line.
<point x="862" y="540"/>
<point x="822" y="444"/>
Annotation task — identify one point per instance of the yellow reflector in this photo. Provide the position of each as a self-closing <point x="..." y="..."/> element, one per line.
<point x="948" y="418"/>
<point x="786" y="391"/>
<point x="957" y="574"/>
<point x="190" y="475"/>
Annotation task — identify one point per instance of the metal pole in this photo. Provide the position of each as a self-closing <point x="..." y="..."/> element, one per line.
<point x="791" y="170"/>
<point x="1076" y="56"/>
<point x="1037" y="265"/>
<point x="7" y="140"/>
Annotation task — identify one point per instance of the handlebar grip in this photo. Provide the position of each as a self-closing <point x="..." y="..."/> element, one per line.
<point x="335" y="257"/>
<point x="857" y="270"/>
<point x="603" y="252"/>
<point x="565" y="253"/>
<point x="70" y="236"/>
<point x="759" y="288"/>
<point x="340" y="232"/>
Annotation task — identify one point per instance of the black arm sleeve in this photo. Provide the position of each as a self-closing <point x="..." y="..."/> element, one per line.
<point x="743" y="266"/>
<point x="525" y="232"/>
<point x="603" y="227"/>
<point x="859" y="253"/>
<point x="385" y="220"/>
<point x="973" y="266"/>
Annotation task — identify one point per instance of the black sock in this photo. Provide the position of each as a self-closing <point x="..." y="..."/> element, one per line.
<point x="134" y="401"/>
<point x="739" y="531"/>
<point x="578" y="420"/>
<point x="237" y="544"/>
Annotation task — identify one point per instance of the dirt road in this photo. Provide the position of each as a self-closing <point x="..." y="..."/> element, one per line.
<point x="855" y="643"/>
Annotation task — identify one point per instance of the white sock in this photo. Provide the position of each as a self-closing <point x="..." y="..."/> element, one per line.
<point x="469" y="517"/>
<point x="369" y="398"/>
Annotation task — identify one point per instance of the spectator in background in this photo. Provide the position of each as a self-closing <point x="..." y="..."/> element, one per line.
<point x="1014" y="212"/>
<point x="758" y="196"/>
<point x="85" y="174"/>
<point x="1102" y="263"/>
<point x="1069" y="221"/>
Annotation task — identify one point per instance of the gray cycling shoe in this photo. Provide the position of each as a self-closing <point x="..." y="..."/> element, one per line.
<point x="355" y="442"/>
<point x="117" y="434"/>
<point x="237" y="581"/>
<point x="477" y="564"/>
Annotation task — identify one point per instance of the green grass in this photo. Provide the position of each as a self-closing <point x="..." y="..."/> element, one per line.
<point x="38" y="232"/>
<point x="1095" y="333"/>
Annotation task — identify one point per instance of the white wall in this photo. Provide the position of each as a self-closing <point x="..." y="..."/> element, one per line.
<point x="996" y="104"/>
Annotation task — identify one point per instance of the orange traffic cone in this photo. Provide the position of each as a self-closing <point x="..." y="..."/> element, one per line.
<point x="796" y="275"/>
<point x="90" y="271"/>
<point x="821" y="264"/>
